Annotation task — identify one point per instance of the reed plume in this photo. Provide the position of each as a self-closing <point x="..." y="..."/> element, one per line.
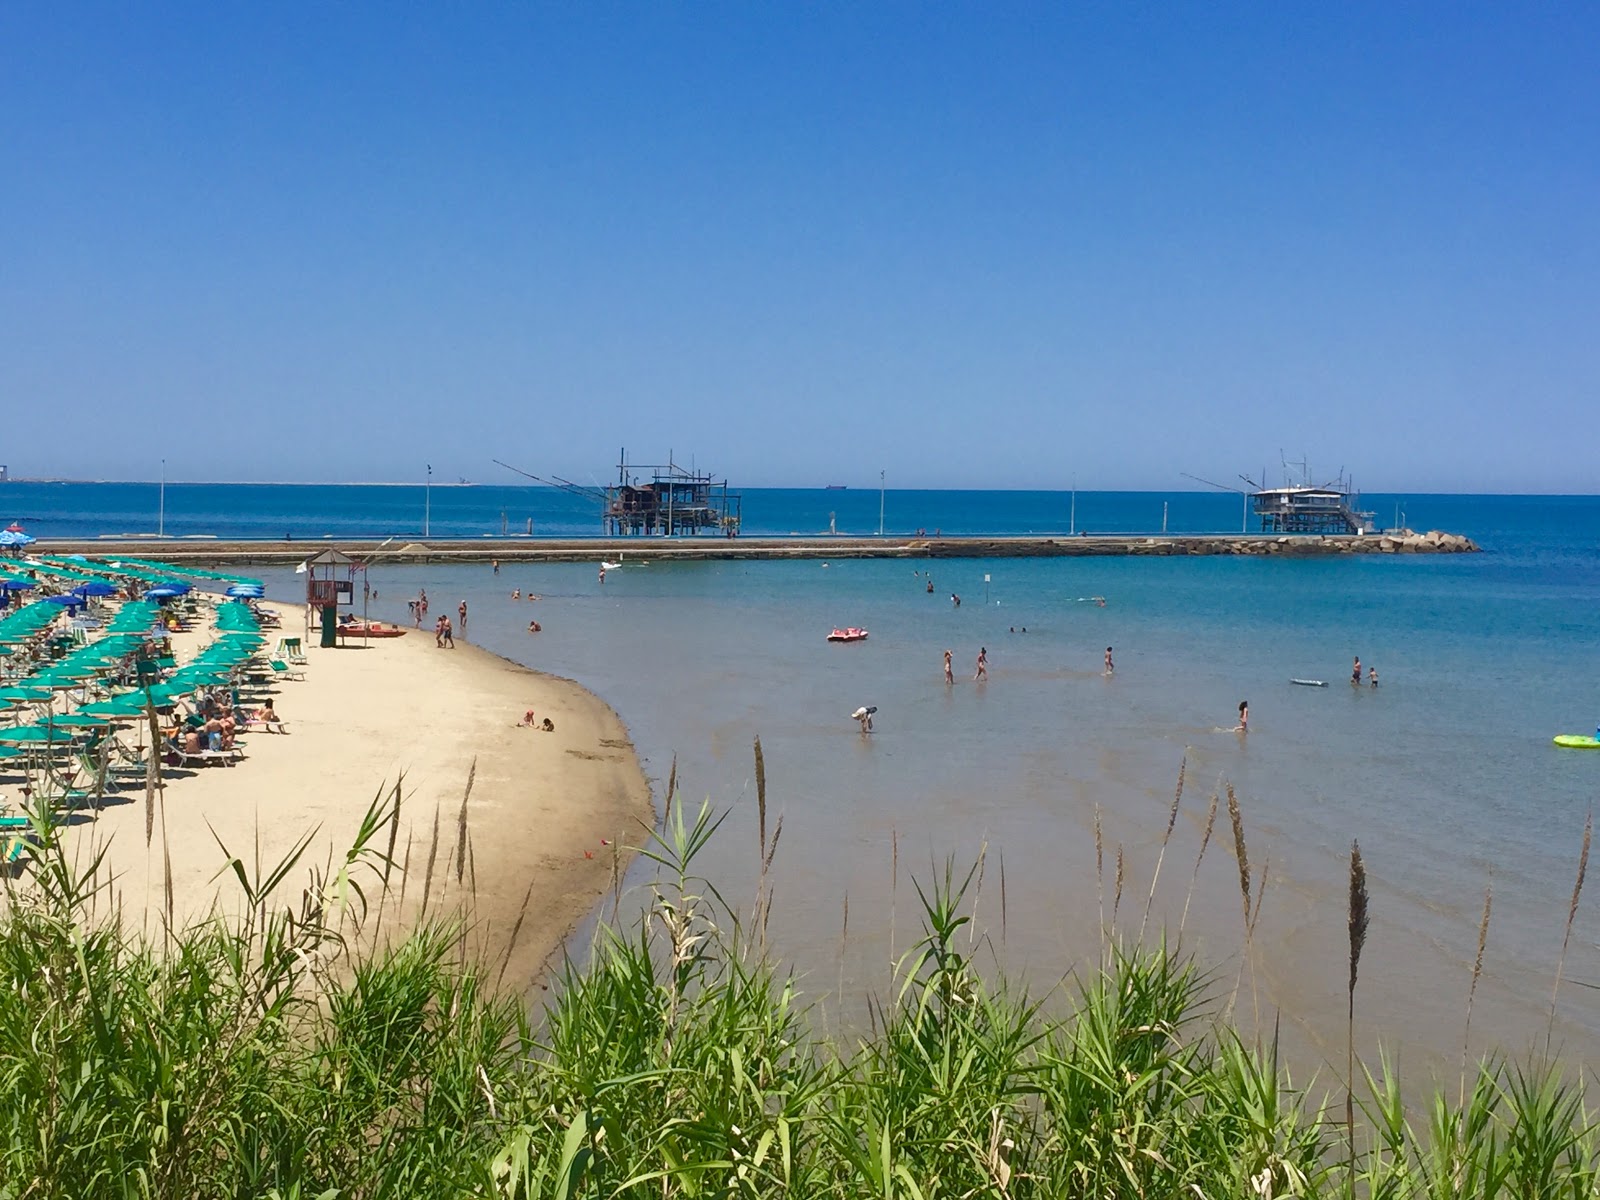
<point x="1572" y="914"/>
<point x="1358" y="939"/>
<point x="1241" y="853"/>
<point x="433" y="854"/>
<point x="1116" y="899"/>
<point x="1205" y="840"/>
<point x="461" y="822"/>
<point x="1472" y="988"/>
<point x="672" y="787"/>
<point x="761" y="799"/>
<point x="1172" y="820"/>
<point x="1100" y="872"/>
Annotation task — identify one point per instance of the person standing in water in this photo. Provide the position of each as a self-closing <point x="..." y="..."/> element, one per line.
<point x="1355" y="675"/>
<point x="602" y="574"/>
<point x="1372" y="676"/>
<point x="949" y="673"/>
<point x="1244" y="717"/>
<point x="461" y="611"/>
<point x="983" y="665"/>
<point x="1110" y="667"/>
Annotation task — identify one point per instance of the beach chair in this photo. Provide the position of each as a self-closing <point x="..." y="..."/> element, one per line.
<point x="209" y="758"/>
<point x="283" y="670"/>
<point x="13" y="847"/>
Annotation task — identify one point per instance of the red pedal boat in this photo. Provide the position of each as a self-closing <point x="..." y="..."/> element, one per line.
<point x="852" y="634"/>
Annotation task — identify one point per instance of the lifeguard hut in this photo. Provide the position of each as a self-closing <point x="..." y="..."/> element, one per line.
<point x="330" y="582"/>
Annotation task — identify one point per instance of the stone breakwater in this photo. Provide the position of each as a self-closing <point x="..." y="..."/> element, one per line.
<point x="211" y="551"/>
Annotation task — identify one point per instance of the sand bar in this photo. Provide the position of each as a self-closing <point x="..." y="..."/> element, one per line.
<point x="540" y="803"/>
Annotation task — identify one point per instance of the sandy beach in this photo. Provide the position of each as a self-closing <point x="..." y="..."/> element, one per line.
<point x="541" y="809"/>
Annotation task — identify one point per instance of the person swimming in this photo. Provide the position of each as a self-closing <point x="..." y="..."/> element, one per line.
<point x="1244" y="717"/>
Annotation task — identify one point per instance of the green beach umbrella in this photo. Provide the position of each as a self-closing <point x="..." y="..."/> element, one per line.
<point x="24" y="695"/>
<point x="77" y="720"/>
<point x="129" y="704"/>
<point x="34" y="735"/>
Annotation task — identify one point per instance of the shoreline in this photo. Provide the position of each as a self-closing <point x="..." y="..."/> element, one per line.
<point x="203" y="548"/>
<point x="533" y="868"/>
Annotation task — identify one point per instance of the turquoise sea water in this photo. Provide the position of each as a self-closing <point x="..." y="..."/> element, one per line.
<point x="1445" y="773"/>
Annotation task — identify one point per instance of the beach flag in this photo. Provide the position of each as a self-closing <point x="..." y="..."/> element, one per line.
<point x="300" y="570"/>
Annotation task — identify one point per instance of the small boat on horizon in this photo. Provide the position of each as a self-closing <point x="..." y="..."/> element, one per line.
<point x="835" y="487"/>
<point x="853" y="633"/>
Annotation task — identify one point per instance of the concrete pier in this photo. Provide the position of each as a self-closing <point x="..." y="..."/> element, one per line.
<point x="215" y="551"/>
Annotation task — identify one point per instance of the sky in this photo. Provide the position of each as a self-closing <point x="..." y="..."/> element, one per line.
<point x="967" y="245"/>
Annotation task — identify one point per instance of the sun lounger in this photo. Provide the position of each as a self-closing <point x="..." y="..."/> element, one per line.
<point x="207" y="758"/>
<point x="284" y="671"/>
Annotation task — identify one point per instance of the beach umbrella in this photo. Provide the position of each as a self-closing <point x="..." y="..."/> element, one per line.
<point x="24" y="695"/>
<point x="163" y="593"/>
<point x="246" y="591"/>
<point x="34" y="735"/>
<point x="177" y="586"/>
<point x="95" y="587"/>
<point x="78" y="720"/>
<point x="66" y="600"/>
<point x="129" y="704"/>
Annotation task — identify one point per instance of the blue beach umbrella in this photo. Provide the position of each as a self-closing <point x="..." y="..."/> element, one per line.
<point x="160" y="593"/>
<point x="67" y="600"/>
<point x="95" y="588"/>
<point x="177" y="586"/>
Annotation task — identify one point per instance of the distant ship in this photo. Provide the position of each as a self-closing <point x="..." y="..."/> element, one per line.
<point x="836" y="487"/>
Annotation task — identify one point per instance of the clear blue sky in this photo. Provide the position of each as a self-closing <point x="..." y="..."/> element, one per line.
<point x="972" y="245"/>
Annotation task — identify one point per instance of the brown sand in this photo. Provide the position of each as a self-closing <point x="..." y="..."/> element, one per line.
<point x="362" y="718"/>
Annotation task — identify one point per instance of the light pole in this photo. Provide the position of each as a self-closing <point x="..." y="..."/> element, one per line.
<point x="161" y="519"/>
<point x="427" y="501"/>
<point x="1072" y="528"/>
<point x="880" y="503"/>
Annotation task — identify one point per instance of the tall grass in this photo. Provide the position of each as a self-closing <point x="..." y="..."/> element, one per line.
<point x="287" y="1050"/>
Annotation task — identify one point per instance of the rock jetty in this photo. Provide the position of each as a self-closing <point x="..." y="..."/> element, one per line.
<point x="208" y="551"/>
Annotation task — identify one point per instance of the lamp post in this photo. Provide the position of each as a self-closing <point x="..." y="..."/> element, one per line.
<point x="427" y="501"/>
<point x="1072" y="528"/>
<point x="880" y="503"/>
<point x="161" y="518"/>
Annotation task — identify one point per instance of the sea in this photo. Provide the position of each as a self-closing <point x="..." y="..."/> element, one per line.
<point x="1052" y="782"/>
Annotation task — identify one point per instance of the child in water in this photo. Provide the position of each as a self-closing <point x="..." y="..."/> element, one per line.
<point x="1244" y="717"/>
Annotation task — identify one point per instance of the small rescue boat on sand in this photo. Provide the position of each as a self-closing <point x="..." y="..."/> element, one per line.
<point x="852" y="634"/>
<point x="374" y="630"/>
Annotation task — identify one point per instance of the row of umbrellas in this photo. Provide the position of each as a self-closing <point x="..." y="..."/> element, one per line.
<point x="239" y="638"/>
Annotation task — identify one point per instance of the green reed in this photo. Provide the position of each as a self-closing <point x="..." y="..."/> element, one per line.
<point x="285" y="1047"/>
